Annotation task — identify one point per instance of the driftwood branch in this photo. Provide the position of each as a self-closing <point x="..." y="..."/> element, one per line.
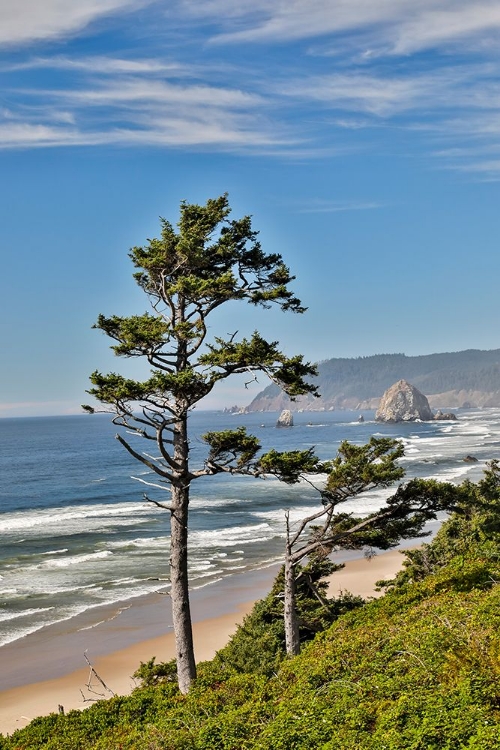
<point x="94" y="676"/>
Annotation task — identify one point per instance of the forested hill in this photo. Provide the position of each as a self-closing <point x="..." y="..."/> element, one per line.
<point x="467" y="378"/>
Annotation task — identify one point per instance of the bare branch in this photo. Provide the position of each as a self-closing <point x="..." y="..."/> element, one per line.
<point x="151" y="484"/>
<point x="93" y="674"/>
<point x="336" y="538"/>
<point x="306" y="521"/>
<point x="160" y="441"/>
<point x="155" y="502"/>
<point x="145" y="461"/>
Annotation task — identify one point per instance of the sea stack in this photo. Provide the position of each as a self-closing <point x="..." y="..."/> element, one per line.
<point x="402" y="402"/>
<point x="444" y="416"/>
<point x="285" y="419"/>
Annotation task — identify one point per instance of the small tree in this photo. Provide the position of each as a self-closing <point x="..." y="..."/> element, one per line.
<point x="355" y="470"/>
<point x="186" y="276"/>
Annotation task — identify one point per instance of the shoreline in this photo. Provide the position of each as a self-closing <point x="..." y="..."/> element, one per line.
<point x="50" y="670"/>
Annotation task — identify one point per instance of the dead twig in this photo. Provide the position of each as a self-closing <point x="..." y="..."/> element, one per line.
<point x="93" y="675"/>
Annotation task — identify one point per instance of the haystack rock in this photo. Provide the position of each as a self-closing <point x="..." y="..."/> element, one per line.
<point x="402" y="402"/>
<point x="285" y="419"/>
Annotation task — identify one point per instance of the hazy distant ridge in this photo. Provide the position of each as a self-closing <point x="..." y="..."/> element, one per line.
<point x="470" y="377"/>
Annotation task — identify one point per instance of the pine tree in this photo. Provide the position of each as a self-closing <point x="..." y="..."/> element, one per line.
<point x="186" y="275"/>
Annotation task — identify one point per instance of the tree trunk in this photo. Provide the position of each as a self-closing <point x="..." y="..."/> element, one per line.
<point x="181" y="612"/>
<point x="292" y="641"/>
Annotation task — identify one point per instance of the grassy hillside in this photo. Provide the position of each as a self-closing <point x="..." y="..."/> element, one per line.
<point x="344" y="381"/>
<point x="418" y="669"/>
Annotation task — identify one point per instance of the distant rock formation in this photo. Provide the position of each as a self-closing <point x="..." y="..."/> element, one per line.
<point x="402" y="402"/>
<point x="361" y="418"/>
<point x="471" y="460"/>
<point x="444" y="416"/>
<point x="285" y="419"/>
<point x="452" y="380"/>
<point x="235" y="410"/>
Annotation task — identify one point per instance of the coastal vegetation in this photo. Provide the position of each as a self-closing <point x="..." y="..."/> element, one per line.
<point x="418" y="668"/>
<point x="355" y="469"/>
<point x="187" y="275"/>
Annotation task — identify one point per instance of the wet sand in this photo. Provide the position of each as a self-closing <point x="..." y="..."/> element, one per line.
<point x="48" y="668"/>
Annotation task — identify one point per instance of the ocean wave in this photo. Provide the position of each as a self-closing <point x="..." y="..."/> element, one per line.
<point x="65" y="614"/>
<point x="209" y="503"/>
<point x="76" y="560"/>
<point x="106" y="619"/>
<point x="200" y="566"/>
<point x="52" y="517"/>
<point x="240" y="532"/>
<point x="277" y="517"/>
<point x="121" y="581"/>
<point x="6" y="616"/>
<point x="451" y="474"/>
<point x="16" y="635"/>
<point x="206" y="574"/>
<point x="474" y="428"/>
<point x="64" y="553"/>
<point x="156" y="543"/>
<point x="234" y="542"/>
<point x="55" y="551"/>
<point x="197" y="586"/>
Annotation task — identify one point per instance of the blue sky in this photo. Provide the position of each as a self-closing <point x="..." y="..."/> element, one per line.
<point x="362" y="136"/>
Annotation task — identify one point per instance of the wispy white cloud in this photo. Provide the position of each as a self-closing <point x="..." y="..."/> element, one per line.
<point x="328" y="207"/>
<point x="388" y="26"/>
<point x="374" y="72"/>
<point x="101" y="64"/>
<point x="362" y="92"/>
<point x="281" y="21"/>
<point x="448" y="22"/>
<point x="298" y="112"/>
<point x="149" y="107"/>
<point x="23" y="21"/>
<point x="168" y="132"/>
<point x="452" y="104"/>
<point x="129" y="91"/>
<point x="24" y="134"/>
<point x="385" y="94"/>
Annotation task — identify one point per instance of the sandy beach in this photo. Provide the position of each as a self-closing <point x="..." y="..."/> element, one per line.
<point x="49" y="669"/>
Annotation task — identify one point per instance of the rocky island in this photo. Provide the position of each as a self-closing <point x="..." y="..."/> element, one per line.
<point x="285" y="419"/>
<point x="402" y="402"/>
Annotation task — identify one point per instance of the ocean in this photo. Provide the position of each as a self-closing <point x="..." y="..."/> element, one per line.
<point x="76" y="534"/>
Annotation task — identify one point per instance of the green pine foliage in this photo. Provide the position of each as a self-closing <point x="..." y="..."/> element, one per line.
<point x="258" y="646"/>
<point x="417" y="669"/>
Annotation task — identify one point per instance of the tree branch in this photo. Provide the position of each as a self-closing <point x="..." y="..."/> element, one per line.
<point x="145" y="461"/>
<point x="151" y="484"/>
<point x="156" y="502"/>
